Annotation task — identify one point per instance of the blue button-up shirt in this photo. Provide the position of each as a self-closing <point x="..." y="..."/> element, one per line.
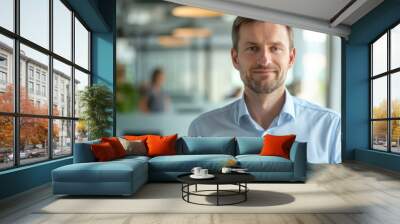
<point x="319" y="127"/>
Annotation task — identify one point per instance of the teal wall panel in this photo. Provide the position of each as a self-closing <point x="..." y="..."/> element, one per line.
<point x="24" y="178"/>
<point x="356" y="85"/>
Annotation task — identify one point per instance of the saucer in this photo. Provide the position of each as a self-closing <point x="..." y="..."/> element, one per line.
<point x="208" y="176"/>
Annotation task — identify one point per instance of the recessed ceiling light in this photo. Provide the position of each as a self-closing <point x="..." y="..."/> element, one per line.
<point x="191" y="32"/>
<point x="171" y="41"/>
<point x="188" y="11"/>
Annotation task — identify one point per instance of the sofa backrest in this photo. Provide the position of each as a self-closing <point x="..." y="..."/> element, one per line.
<point x="83" y="152"/>
<point x="206" y="145"/>
<point x="248" y="145"/>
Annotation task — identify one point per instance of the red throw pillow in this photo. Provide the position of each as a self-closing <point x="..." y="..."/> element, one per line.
<point x="103" y="151"/>
<point x="277" y="145"/>
<point x="161" y="145"/>
<point x="116" y="145"/>
<point x="134" y="137"/>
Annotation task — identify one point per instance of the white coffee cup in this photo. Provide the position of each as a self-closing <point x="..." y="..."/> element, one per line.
<point x="203" y="172"/>
<point x="226" y="170"/>
<point x="196" y="170"/>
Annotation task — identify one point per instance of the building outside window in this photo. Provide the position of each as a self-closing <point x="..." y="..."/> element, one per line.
<point x="30" y="87"/>
<point x="43" y="78"/>
<point x="3" y="78"/>
<point x="3" y="61"/>
<point x="30" y="72"/>
<point x="43" y="90"/>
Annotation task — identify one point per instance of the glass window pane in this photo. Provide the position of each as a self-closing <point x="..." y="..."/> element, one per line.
<point x="6" y="142"/>
<point x="395" y="136"/>
<point x="395" y="94"/>
<point x="33" y="140"/>
<point x="81" y="81"/>
<point x="6" y="74"/>
<point x="379" y="55"/>
<point x="81" y="131"/>
<point x="81" y="45"/>
<point x="7" y="14"/>
<point x="379" y="98"/>
<point x="62" y="138"/>
<point x="62" y="29"/>
<point x="34" y="96"/>
<point x="379" y="135"/>
<point x="35" y="21"/>
<point x="395" y="47"/>
<point x="62" y="89"/>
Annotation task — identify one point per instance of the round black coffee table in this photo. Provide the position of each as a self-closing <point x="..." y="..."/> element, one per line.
<point x="238" y="179"/>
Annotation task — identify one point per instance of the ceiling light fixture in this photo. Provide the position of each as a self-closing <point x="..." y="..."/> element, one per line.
<point x="191" y="32"/>
<point x="188" y="11"/>
<point x="171" y="41"/>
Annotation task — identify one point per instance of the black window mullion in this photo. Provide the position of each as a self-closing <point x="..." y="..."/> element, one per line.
<point x="50" y="87"/>
<point x="389" y="113"/>
<point x="371" y="137"/>
<point x="16" y="84"/>
<point x="73" y="82"/>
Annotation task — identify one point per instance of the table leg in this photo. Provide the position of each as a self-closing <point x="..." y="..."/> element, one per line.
<point x="245" y="191"/>
<point x="217" y="194"/>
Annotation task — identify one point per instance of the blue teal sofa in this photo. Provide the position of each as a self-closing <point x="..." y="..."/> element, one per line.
<point x="125" y="176"/>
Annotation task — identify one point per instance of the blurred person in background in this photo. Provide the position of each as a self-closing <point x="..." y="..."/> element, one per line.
<point x="155" y="99"/>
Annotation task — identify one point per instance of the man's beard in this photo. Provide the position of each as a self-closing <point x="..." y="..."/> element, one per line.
<point x="264" y="88"/>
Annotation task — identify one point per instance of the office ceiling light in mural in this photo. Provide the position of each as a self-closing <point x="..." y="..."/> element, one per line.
<point x="171" y="41"/>
<point x="191" y="32"/>
<point x="192" y="12"/>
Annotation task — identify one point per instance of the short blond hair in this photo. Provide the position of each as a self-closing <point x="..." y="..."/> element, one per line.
<point x="243" y="20"/>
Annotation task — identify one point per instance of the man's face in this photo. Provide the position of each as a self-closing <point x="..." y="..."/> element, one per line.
<point x="263" y="56"/>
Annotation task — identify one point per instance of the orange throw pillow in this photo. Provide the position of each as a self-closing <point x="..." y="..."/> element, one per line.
<point x="116" y="145"/>
<point x="161" y="145"/>
<point x="277" y="145"/>
<point x="103" y="151"/>
<point x="134" y="137"/>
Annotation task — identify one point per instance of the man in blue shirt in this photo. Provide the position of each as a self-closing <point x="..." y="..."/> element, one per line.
<point x="263" y="52"/>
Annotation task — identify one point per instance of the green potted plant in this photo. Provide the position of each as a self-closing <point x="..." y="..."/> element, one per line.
<point x="96" y="102"/>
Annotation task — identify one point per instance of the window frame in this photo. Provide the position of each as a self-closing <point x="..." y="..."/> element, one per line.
<point x="388" y="74"/>
<point x="16" y="115"/>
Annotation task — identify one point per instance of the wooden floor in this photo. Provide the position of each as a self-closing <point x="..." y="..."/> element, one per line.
<point x="378" y="188"/>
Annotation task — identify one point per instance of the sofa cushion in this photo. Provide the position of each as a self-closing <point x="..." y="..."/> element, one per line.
<point x="277" y="145"/>
<point x="206" y="145"/>
<point x="257" y="163"/>
<point x="103" y="151"/>
<point x="116" y="145"/>
<point x="134" y="147"/>
<point x="111" y="171"/>
<point x="185" y="163"/>
<point x="161" y="145"/>
<point x="248" y="145"/>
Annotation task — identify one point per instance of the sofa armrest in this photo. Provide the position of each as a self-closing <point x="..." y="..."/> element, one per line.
<point x="298" y="155"/>
<point x="83" y="152"/>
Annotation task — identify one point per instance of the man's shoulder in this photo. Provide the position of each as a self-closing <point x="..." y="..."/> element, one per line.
<point x="308" y="107"/>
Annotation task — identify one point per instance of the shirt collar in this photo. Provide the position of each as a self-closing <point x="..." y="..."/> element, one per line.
<point x="288" y="107"/>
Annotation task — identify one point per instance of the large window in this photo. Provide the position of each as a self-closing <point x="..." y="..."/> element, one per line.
<point x="385" y="92"/>
<point x="44" y="64"/>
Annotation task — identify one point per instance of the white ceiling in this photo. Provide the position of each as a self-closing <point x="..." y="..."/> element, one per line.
<point x="324" y="16"/>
